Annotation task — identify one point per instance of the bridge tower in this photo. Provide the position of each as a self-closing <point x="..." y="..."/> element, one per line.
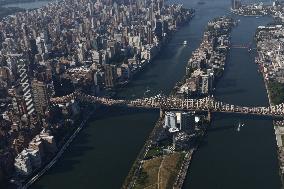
<point x="209" y="116"/>
<point x="162" y="112"/>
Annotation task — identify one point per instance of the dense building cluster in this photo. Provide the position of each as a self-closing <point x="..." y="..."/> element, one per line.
<point x="279" y="133"/>
<point x="258" y="9"/>
<point x="31" y="158"/>
<point x="68" y="45"/>
<point x="208" y="61"/>
<point x="270" y="41"/>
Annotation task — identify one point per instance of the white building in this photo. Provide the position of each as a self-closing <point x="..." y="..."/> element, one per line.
<point x="279" y="132"/>
<point x="171" y="121"/>
<point x="30" y="158"/>
<point x="37" y="144"/>
<point x="27" y="160"/>
<point x="23" y="164"/>
<point x="49" y="142"/>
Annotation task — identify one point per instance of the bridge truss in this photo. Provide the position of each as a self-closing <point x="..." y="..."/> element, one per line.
<point x="173" y="103"/>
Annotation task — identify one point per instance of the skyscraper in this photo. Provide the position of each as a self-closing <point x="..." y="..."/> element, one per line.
<point x="40" y="96"/>
<point x="187" y="121"/>
<point x="25" y="84"/>
<point x="233" y="4"/>
<point x="149" y="34"/>
<point x="110" y="75"/>
<point x="236" y="4"/>
<point x="170" y="120"/>
<point x="159" y="29"/>
<point x="205" y="84"/>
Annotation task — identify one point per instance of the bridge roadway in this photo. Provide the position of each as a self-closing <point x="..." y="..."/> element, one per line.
<point x="173" y="103"/>
<point x="242" y="46"/>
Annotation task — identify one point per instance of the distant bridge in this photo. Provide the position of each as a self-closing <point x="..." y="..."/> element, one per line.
<point x="242" y="46"/>
<point x="172" y="103"/>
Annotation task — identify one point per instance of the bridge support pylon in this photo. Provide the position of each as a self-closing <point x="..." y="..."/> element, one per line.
<point x="162" y="112"/>
<point x="209" y="116"/>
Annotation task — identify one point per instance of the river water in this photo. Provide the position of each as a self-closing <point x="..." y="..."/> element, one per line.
<point x="101" y="156"/>
<point x="29" y="5"/>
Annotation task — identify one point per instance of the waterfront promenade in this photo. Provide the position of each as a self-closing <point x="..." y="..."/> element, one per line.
<point x="137" y="165"/>
<point x="183" y="170"/>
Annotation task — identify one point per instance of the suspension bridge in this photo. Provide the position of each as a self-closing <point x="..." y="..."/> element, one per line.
<point x="165" y="103"/>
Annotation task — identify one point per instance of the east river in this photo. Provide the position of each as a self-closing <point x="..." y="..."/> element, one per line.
<point x="102" y="154"/>
<point x="29" y="5"/>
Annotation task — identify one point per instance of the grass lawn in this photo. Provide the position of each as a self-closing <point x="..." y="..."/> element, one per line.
<point x="169" y="170"/>
<point x="153" y="152"/>
<point x="160" y="172"/>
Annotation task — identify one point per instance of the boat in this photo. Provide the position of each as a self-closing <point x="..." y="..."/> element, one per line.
<point x="239" y="127"/>
<point x="147" y="89"/>
<point x="201" y="3"/>
<point x="184" y="42"/>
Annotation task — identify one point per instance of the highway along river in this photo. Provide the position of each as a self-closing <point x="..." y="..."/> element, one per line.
<point x="101" y="156"/>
